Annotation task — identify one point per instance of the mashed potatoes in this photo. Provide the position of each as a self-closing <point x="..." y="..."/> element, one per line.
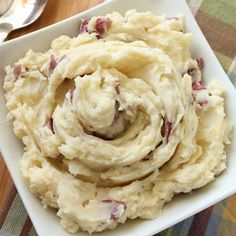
<point x="116" y="121"/>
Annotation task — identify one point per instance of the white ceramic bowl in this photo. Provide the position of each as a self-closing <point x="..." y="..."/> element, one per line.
<point x="46" y="222"/>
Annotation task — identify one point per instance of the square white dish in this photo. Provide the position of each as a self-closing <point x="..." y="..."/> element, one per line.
<point x="45" y="221"/>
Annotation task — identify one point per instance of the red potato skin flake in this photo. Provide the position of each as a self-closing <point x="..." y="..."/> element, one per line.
<point x="17" y="70"/>
<point x="115" y="204"/>
<point x="84" y="25"/>
<point x="114" y="218"/>
<point x="198" y="86"/>
<point x="147" y="158"/>
<point x="53" y="63"/>
<point x="203" y="102"/>
<point x="117" y="88"/>
<point x="168" y="128"/>
<point x="191" y="71"/>
<point x="101" y="26"/>
<point x="50" y="124"/>
<point x="200" y="63"/>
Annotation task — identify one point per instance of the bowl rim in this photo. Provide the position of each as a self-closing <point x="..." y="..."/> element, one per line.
<point x="75" y="17"/>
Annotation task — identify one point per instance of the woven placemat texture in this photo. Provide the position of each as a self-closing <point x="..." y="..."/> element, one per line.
<point x="217" y="20"/>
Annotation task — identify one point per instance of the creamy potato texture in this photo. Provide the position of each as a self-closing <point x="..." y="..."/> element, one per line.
<point x="116" y="121"/>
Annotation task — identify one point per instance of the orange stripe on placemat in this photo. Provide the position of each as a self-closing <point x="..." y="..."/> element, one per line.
<point x="221" y="36"/>
<point x="230" y="209"/>
<point x="200" y="222"/>
<point x="8" y="202"/>
<point x="27" y="227"/>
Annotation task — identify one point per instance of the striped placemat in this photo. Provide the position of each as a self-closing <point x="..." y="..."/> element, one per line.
<point x="217" y="19"/>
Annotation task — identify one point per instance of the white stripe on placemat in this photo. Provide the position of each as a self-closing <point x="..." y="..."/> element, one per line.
<point x="15" y="218"/>
<point x="194" y="5"/>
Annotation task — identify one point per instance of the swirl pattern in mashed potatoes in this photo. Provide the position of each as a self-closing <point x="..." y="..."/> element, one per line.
<point x="116" y="121"/>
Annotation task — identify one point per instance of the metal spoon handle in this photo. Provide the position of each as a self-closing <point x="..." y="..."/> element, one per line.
<point x="3" y="36"/>
<point x="5" y="29"/>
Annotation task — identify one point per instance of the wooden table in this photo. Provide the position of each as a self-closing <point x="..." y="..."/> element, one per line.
<point x="225" y="212"/>
<point x="56" y="10"/>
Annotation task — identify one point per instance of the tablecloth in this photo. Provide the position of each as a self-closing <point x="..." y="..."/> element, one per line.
<point x="217" y="20"/>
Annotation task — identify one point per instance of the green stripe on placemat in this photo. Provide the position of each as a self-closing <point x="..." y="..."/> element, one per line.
<point x="224" y="60"/>
<point x="17" y="221"/>
<point x="213" y="221"/>
<point x="224" y="10"/>
<point x="15" y="218"/>
<point x="232" y="77"/>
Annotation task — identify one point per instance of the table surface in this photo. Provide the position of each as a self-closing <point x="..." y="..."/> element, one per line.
<point x="56" y="10"/>
<point x="217" y="21"/>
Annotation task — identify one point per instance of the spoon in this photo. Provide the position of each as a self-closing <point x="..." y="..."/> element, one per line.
<point x="4" y="5"/>
<point x="20" y="14"/>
